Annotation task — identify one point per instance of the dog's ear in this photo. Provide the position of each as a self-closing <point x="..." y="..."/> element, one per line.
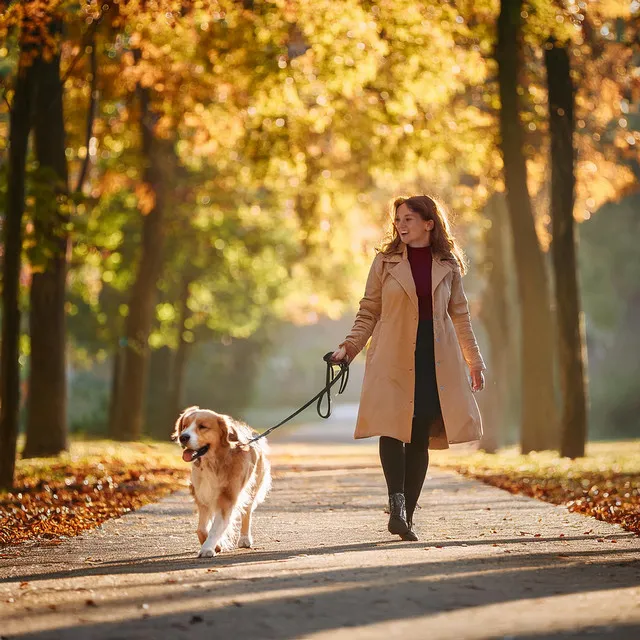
<point x="179" y="425"/>
<point x="231" y="434"/>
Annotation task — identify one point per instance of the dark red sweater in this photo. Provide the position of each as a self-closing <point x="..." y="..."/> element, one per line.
<point x="421" y="261"/>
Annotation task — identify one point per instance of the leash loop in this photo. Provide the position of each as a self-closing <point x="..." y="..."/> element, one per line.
<point x="331" y="379"/>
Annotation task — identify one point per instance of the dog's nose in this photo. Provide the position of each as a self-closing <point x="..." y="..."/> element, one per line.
<point x="184" y="438"/>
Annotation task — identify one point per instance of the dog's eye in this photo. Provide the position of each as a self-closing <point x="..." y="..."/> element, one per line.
<point x="202" y="426"/>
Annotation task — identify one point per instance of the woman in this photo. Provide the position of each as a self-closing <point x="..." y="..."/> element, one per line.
<point x="416" y="391"/>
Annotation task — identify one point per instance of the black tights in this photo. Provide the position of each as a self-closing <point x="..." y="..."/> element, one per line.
<point x="405" y="465"/>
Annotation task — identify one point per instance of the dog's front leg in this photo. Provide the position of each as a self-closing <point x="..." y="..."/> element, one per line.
<point x="220" y="523"/>
<point x="205" y="519"/>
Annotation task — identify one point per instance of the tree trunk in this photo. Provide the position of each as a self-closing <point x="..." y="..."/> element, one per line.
<point x="116" y="377"/>
<point x="539" y="414"/>
<point x="10" y="368"/>
<point x="47" y="402"/>
<point x="182" y="354"/>
<point x="571" y="337"/>
<point x="159" y="418"/>
<point x="497" y="315"/>
<point x="131" y="395"/>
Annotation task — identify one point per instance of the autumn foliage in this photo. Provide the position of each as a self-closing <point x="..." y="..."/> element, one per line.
<point x="61" y="498"/>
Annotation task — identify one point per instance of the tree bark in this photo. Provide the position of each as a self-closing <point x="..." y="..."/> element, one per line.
<point x="47" y="402"/>
<point x="135" y="353"/>
<point x="571" y="334"/>
<point x="497" y="315"/>
<point x="19" y="127"/>
<point x="539" y="413"/>
<point x="116" y="376"/>
<point x="182" y="353"/>
<point x="159" y="418"/>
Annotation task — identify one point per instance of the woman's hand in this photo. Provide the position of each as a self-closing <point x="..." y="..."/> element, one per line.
<point x="477" y="380"/>
<point x="339" y="354"/>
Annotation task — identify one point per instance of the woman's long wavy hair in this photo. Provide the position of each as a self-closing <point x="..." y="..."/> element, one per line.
<point x="443" y="243"/>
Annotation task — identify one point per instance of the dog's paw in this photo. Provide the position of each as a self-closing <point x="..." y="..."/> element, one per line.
<point x="245" y="542"/>
<point x="207" y="553"/>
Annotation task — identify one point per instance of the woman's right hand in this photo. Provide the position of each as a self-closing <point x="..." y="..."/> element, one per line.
<point x="339" y="354"/>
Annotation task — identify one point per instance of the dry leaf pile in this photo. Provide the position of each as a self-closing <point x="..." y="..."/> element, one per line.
<point x="63" y="497"/>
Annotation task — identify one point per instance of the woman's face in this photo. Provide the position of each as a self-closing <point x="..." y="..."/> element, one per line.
<point x="411" y="228"/>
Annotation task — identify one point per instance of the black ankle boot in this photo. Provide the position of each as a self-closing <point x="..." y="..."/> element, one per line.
<point x="397" y="515"/>
<point x="410" y="536"/>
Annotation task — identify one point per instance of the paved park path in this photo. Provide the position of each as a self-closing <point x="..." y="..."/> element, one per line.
<point x="488" y="565"/>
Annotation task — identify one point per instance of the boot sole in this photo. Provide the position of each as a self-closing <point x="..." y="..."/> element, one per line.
<point x="397" y="526"/>
<point x="410" y="537"/>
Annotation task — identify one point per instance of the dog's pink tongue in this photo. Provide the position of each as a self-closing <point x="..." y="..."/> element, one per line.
<point x="187" y="455"/>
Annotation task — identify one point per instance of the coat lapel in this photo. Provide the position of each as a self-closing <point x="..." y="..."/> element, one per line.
<point x="439" y="270"/>
<point x="401" y="271"/>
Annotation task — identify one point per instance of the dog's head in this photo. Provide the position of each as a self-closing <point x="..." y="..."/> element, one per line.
<point x="199" y="431"/>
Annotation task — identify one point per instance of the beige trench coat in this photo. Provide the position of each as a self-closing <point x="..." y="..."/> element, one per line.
<point x="388" y="314"/>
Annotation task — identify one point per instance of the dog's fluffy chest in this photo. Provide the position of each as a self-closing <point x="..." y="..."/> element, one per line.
<point x="206" y="481"/>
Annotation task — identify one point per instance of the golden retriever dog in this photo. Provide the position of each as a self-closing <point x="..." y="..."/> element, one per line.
<point x="229" y="478"/>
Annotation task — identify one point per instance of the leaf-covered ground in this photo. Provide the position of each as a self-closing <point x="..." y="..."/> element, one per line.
<point x="98" y="480"/>
<point x="605" y="484"/>
<point x="95" y="481"/>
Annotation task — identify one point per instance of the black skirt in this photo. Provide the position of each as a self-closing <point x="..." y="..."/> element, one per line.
<point x="426" y="400"/>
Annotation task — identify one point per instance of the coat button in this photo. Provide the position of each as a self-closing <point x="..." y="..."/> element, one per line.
<point x="442" y="387"/>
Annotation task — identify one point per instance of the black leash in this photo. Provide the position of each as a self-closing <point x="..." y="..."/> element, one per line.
<point x="330" y="380"/>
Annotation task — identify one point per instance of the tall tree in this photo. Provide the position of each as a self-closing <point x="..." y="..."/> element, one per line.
<point x="571" y="342"/>
<point x="178" y="370"/>
<point x="47" y="400"/>
<point x="20" y="120"/>
<point x="132" y="381"/>
<point x="539" y="413"/>
<point x="497" y="315"/>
